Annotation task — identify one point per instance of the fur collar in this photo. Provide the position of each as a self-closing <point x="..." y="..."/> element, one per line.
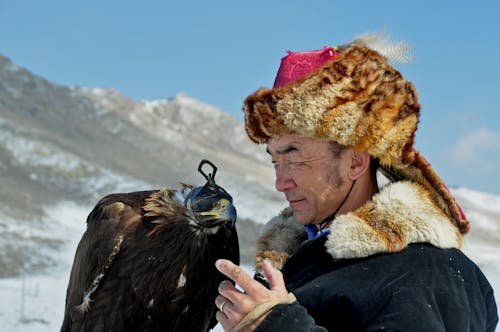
<point x="400" y="214"/>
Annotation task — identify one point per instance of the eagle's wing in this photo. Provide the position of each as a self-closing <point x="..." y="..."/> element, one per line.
<point x="111" y="219"/>
<point x="144" y="265"/>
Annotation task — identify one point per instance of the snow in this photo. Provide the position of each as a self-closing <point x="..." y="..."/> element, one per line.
<point x="59" y="166"/>
<point x="14" y="92"/>
<point x="35" y="303"/>
<point x="195" y="106"/>
<point x="32" y="303"/>
<point x="153" y="106"/>
<point x="482" y="200"/>
<point x="12" y="67"/>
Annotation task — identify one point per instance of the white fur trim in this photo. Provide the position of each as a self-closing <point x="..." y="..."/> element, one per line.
<point x="403" y="211"/>
<point x="400" y="214"/>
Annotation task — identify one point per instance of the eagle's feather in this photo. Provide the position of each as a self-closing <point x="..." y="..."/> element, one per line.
<point x="146" y="264"/>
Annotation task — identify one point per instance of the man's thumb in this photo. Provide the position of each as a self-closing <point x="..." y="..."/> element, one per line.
<point x="273" y="276"/>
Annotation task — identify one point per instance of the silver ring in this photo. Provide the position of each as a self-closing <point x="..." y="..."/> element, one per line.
<point x="222" y="306"/>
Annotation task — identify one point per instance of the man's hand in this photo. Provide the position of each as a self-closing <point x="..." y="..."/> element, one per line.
<point x="234" y="304"/>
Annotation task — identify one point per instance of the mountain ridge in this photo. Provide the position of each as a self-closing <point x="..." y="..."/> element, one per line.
<point x="77" y="144"/>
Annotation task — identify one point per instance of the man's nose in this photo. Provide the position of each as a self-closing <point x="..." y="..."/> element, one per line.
<point x="283" y="180"/>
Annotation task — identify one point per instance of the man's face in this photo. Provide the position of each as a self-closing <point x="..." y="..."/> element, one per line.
<point x="311" y="175"/>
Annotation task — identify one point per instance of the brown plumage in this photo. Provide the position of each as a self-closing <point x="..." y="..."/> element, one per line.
<point x="146" y="261"/>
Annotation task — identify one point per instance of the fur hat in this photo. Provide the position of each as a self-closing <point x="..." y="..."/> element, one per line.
<point x="351" y="95"/>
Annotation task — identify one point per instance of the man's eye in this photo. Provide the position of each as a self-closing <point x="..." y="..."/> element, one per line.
<point x="295" y="163"/>
<point x="288" y="163"/>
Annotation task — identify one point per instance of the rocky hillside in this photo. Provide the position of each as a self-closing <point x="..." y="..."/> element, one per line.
<point x="60" y="143"/>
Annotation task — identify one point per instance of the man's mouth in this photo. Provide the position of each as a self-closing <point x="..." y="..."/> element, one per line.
<point x="295" y="202"/>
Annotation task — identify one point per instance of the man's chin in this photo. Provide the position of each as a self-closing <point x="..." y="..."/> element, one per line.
<point x="301" y="219"/>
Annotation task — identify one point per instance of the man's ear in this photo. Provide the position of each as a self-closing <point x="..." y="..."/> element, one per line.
<point x="360" y="164"/>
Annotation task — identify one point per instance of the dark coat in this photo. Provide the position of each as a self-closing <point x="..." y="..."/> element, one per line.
<point x="421" y="288"/>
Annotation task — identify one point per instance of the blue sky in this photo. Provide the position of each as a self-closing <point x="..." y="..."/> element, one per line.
<point x="221" y="51"/>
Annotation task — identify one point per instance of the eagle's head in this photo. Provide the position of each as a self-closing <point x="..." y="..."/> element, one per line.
<point x="210" y="204"/>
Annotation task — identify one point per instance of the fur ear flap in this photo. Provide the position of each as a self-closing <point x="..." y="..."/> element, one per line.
<point x="421" y="172"/>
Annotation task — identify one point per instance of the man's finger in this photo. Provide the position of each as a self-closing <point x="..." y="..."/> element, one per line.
<point x="274" y="276"/>
<point x="238" y="275"/>
<point x="230" y="292"/>
<point x="223" y="320"/>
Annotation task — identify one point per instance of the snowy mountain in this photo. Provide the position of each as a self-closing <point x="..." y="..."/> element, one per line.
<point x="78" y="144"/>
<point x="62" y="148"/>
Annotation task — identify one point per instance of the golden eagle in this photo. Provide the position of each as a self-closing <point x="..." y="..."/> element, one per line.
<point x="147" y="260"/>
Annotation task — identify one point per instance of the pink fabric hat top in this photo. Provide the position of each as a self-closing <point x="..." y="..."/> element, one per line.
<point x="299" y="64"/>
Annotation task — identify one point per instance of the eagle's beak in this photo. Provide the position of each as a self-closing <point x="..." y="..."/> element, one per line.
<point x="223" y="210"/>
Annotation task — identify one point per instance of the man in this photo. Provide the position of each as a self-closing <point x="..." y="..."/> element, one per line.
<point x="375" y="259"/>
